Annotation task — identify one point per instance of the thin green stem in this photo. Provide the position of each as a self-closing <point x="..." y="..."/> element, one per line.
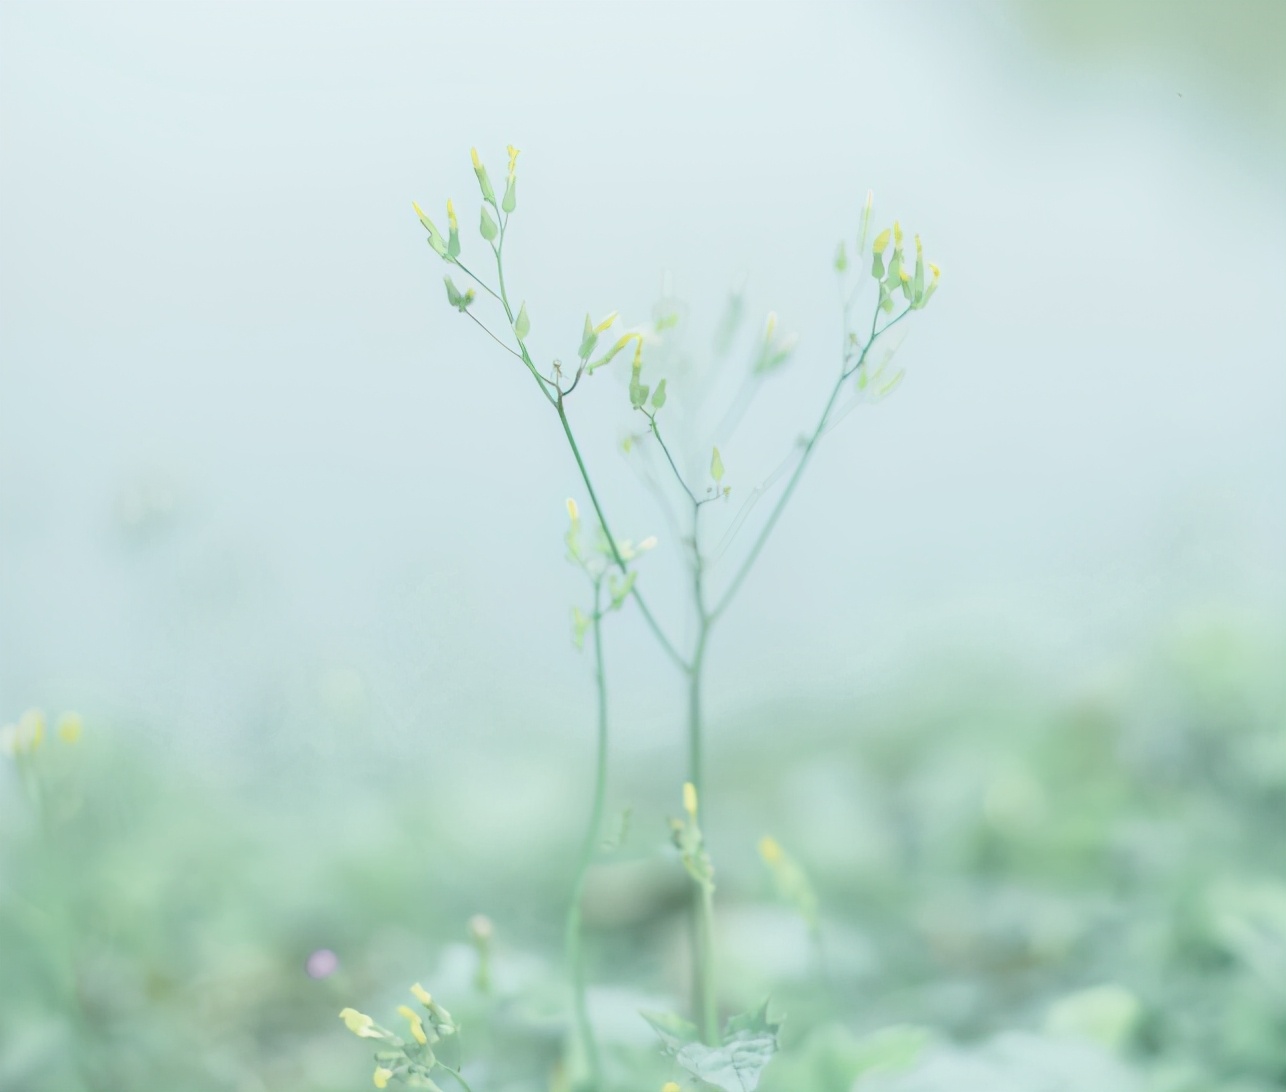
<point x="556" y="400"/>
<point x="456" y="1074"/>
<point x="709" y="1000"/>
<point x="809" y="446"/>
<point x="593" y="832"/>
<point x="621" y="563"/>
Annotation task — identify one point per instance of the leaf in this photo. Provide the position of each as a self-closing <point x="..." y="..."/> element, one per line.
<point x="735" y="1065"/>
<point x="674" y="1031"/>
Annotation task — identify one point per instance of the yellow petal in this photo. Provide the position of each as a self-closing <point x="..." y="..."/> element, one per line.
<point x="380" y="1077"/>
<point x="769" y="850"/>
<point x="421" y="994"/>
<point x="70" y="727"/>
<point x="360" y="1024"/>
<point x="690" y="798"/>
<point x="477" y="163"/>
<point x="605" y="323"/>
<point x="417" y="1025"/>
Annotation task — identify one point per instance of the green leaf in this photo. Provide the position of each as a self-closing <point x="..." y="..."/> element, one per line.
<point x="522" y="324"/>
<point x="736" y="1064"/>
<point x="488" y="225"/>
<point x="658" y="395"/>
<point x="674" y="1031"/>
<point x="716" y="466"/>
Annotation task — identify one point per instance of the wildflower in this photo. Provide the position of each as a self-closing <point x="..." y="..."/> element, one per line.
<point x="513" y="159"/>
<point x="70" y="728"/>
<point x="361" y="1025"/>
<point x="422" y="995"/>
<point x="417" y="1025"/>
<point x="380" y="1077"/>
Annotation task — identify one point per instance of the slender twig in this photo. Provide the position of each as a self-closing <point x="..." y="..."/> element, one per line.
<point x="593" y="832"/>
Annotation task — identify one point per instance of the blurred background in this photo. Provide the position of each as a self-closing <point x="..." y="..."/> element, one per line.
<point x="286" y="531"/>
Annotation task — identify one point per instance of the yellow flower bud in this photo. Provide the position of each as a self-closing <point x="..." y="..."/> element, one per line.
<point x="380" y="1077"/>
<point x="70" y="727"/>
<point x="451" y="220"/>
<point x="605" y="323"/>
<point x="881" y="243"/>
<point x="421" y="994"/>
<point x="897" y="234"/>
<point x="477" y="163"/>
<point x="573" y="511"/>
<point x="417" y="1025"/>
<point x="513" y="159"/>
<point x="670" y="1086"/>
<point x="690" y="798"/>
<point x="769" y="850"/>
<point x="904" y="276"/>
<point x="360" y="1024"/>
<point x="770" y="326"/>
<point x="31" y="731"/>
<point x="935" y="270"/>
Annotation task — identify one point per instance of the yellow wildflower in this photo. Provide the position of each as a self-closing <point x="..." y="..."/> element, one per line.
<point x="380" y="1077"/>
<point x="417" y="1025"/>
<point x="690" y="798"/>
<point x="421" y="994"/>
<point x="70" y="727"/>
<point x="360" y="1024"/>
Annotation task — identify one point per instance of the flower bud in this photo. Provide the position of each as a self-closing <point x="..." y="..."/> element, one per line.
<point x="484" y="183"/>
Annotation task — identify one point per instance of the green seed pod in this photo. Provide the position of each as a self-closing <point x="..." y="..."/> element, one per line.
<point x="841" y="258"/>
<point x="588" y="339"/>
<point x="488" y="226"/>
<point x="716" y="465"/>
<point x="484" y="183"/>
<point x="453" y="242"/>
<point x="510" y="200"/>
<point x="435" y="237"/>
<point x="658" y="395"/>
<point x="522" y="324"/>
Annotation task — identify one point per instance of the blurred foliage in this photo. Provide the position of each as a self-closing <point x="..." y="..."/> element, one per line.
<point x="1232" y="51"/>
<point x="1013" y="891"/>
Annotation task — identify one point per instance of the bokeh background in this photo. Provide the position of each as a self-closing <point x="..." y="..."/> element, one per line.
<point x="286" y="530"/>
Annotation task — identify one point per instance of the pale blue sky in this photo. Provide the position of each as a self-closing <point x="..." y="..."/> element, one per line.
<point x="218" y="309"/>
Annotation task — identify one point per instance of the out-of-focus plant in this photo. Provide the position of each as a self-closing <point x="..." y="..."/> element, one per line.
<point x="902" y="287"/>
